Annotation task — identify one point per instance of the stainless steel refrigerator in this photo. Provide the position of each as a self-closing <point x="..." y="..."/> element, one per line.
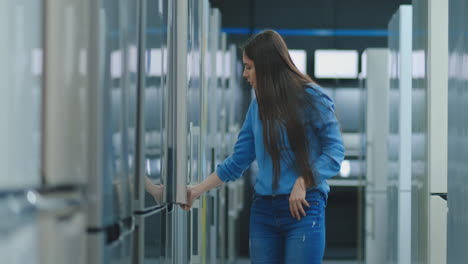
<point x="44" y="116"/>
<point x="113" y="68"/>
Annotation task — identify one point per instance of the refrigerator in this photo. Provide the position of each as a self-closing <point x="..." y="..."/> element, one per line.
<point x="432" y="125"/>
<point x="457" y="220"/>
<point x="169" y="135"/>
<point x="400" y="136"/>
<point x="376" y="156"/>
<point x="152" y="230"/>
<point x="44" y="115"/>
<point x="113" y="98"/>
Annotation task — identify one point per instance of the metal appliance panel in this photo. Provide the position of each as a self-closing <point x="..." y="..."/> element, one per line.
<point x="457" y="236"/>
<point x="65" y="123"/>
<point x="376" y="134"/>
<point x="42" y="228"/>
<point x="347" y="108"/>
<point x="400" y="129"/>
<point x="153" y="97"/>
<point x="150" y="241"/>
<point x="61" y="222"/>
<point x="430" y="127"/>
<point x="102" y="251"/>
<point x="21" y="92"/>
<point x="20" y="233"/>
<point x="420" y="186"/>
<point x="109" y="160"/>
<point x="129" y="24"/>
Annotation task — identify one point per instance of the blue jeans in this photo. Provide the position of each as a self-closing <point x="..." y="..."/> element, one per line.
<point x="277" y="237"/>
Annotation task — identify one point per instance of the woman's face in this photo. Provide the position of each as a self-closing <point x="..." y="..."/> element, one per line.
<point x="249" y="71"/>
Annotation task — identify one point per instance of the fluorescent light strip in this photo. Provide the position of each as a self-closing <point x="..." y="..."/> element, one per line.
<point x="314" y="32"/>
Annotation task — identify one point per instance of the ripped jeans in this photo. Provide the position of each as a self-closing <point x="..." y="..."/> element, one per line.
<point x="277" y="237"/>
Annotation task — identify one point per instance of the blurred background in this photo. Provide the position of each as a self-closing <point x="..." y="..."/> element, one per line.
<point x="109" y="109"/>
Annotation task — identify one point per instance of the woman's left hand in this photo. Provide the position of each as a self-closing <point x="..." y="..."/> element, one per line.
<point x="192" y="194"/>
<point x="297" y="199"/>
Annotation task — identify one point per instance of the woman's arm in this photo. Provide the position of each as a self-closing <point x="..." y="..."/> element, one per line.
<point x="193" y="192"/>
<point x="244" y="150"/>
<point x="232" y="167"/>
<point x="329" y="162"/>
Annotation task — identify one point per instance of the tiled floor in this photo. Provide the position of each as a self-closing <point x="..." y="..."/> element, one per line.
<point x="247" y="261"/>
<point x="340" y="262"/>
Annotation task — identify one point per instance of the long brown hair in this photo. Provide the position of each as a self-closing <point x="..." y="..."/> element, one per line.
<point x="284" y="105"/>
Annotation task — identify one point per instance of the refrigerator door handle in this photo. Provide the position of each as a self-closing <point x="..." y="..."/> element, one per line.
<point x="195" y="237"/>
<point x="190" y="154"/>
<point x="441" y="195"/>
<point x="194" y="135"/>
<point x="65" y="204"/>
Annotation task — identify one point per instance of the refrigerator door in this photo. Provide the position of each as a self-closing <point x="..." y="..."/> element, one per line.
<point x="150" y="238"/>
<point x="45" y="229"/>
<point x="153" y="98"/>
<point x="127" y="245"/>
<point x="457" y="218"/>
<point x="20" y="93"/>
<point x="213" y="89"/>
<point x="66" y="92"/>
<point x="347" y="108"/>
<point x="111" y="244"/>
<point x="400" y="131"/>
<point x="61" y="222"/>
<point x="376" y="157"/>
<point x="129" y="26"/>
<point x="194" y="90"/>
<point x="214" y="135"/>
<point x="109" y="179"/>
<point x="199" y="143"/>
<point x="175" y="161"/>
<point x="196" y="53"/>
<point x="19" y="232"/>
<point x="233" y="91"/>
<point x="121" y="251"/>
<point x="104" y="249"/>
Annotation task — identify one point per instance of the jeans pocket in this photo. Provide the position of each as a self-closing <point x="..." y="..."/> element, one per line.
<point x="316" y="208"/>
<point x="314" y="203"/>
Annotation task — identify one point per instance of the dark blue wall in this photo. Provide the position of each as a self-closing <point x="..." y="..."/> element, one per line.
<point x="368" y="15"/>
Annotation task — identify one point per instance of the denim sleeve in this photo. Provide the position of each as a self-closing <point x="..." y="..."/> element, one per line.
<point x="243" y="155"/>
<point x="328" y="164"/>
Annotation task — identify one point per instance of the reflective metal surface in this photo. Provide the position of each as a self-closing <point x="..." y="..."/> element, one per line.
<point x="429" y="131"/>
<point x="399" y="141"/>
<point x="21" y="232"/>
<point x="376" y="155"/>
<point x="457" y="236"/>
<point x="153" y="84"/>
<point x="125" y="102"/>
<point x="21" y="73"/>
<point x="419" y="130"/>
<point x="65" y="122"/>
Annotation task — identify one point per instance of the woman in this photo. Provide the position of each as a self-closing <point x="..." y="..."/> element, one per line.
<point x="292" y="132"/>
